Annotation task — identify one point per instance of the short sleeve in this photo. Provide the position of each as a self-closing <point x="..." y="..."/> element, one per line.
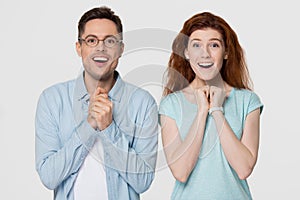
<point x="254" y="103"/>
<point x="167" y="106"/>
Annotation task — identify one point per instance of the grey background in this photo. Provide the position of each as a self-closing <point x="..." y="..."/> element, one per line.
<point x="37" y="49"/>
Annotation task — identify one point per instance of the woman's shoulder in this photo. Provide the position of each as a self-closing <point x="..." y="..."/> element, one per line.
<point x="244" y="92"/>
<point x="173" y="99"/>
<point x="172" y="96"/>
<point x="247" y="96"/>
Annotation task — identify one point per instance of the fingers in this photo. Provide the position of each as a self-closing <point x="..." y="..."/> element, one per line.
<point x="101" y="98"/>
<point x="101" y="107"/>
<point x="201" y="96"/>
<point x="99" y="102"/>
<point x="92" y="97"/>
<point x="213" y="90"/>
<point x="99" y="91"/>
<point x="212" y="94"/>
<point x="203" y="90"/>
<point x="217" y="96"/>
<point x="101" y="111"/>
<point x="102" y="90"/>
<point x="206" y="90"/>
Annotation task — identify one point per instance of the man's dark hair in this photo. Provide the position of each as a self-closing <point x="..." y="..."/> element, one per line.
<point x="99" y="13"/>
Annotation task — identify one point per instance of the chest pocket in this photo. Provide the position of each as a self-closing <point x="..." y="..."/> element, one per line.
<point x="130" y="131"/>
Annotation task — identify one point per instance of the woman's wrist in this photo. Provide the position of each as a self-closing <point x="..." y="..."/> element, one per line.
<point x="214" y="109"/>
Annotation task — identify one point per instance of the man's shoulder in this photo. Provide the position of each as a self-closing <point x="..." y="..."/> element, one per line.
<point x="58" y="92"/>
<point x="60" y="87"/>
<point x="137" y="91"/>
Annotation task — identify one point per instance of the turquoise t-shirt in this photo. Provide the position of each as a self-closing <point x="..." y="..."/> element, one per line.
<point x="212" y="178"/>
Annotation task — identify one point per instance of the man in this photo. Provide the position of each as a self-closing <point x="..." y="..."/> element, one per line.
<point x="96" y="136"/>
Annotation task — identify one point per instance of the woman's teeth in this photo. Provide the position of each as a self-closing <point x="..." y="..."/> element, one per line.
<point x="205" y="65"/>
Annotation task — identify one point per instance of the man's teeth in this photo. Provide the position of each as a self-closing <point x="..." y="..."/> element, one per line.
<point x="100" y="59"/>
<point x="205" y="65"/>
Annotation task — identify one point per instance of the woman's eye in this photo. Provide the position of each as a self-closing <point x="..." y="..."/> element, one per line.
<point x="214" y="45"/>
<point x="196" y="45"/>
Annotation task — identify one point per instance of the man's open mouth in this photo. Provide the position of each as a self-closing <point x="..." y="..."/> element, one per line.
<point x="100" y="59"/>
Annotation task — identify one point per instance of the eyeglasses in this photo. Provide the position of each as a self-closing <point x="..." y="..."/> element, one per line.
<point x="93" y="41"/>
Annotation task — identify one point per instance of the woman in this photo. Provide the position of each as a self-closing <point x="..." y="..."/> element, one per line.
<point x="209" y="116"/>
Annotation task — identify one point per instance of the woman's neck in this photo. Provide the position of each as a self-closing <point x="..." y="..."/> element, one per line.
<point x="217" y="81"/>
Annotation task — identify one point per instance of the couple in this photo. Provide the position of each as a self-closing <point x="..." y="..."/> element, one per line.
<point x="96" y="136"/>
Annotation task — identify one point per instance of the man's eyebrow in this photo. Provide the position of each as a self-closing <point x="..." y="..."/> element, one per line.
<point x="92" y="35"/>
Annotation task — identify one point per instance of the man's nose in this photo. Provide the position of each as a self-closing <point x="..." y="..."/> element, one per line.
<point x="100" y="46"/>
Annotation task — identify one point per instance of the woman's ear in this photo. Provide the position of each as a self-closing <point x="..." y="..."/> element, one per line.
<point x="186" y="54"/>
<point x="225" y="56"/>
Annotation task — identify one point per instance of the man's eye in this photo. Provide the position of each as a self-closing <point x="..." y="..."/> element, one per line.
<point x="110" y="40"/>
<point x="91" y="40"/>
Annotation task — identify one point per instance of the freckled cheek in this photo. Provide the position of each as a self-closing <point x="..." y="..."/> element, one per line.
<point x="196" y="69"/>
<point x="219" y="65"/>
<point x="196" y="52"/>
<point x="194" y="56"/>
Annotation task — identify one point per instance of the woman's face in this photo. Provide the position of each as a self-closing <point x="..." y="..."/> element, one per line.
<point x="206" y="52"/>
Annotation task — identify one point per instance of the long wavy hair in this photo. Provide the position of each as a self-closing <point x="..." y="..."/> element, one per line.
<point x="234" y="71"/>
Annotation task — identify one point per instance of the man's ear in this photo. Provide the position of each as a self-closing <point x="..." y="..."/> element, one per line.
<point x="78" y="49"/>
<point x="122" y="46"/>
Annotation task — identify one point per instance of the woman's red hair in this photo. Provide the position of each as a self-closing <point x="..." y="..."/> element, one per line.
<point x="234" y="70"/>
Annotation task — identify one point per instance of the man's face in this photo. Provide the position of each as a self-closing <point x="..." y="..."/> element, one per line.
<point x="99" y="61"/>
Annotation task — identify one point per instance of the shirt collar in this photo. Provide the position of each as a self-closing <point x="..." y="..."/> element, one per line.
<point x="117" y="90"/>
<point x="115" y="93"/>
<point x="80" y="92"/>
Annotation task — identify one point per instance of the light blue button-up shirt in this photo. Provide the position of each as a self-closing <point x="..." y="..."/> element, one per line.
<point x="64" y="138"/>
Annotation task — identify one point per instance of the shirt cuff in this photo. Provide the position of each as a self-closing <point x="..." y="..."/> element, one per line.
<point x="110" y="132"/>
<point x="86" y="134"/>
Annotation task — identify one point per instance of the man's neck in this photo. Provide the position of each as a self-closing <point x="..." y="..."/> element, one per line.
<point x="91" y="84"/>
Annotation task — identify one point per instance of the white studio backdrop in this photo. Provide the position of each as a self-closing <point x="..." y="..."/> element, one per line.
<point x="37" y="49"/>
